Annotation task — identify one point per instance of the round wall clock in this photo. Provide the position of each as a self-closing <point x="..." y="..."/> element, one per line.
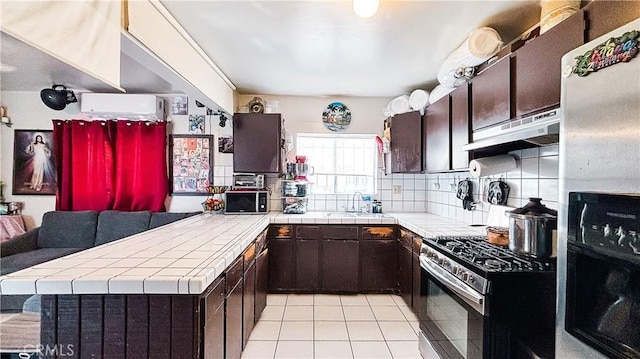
<point x="336" y="116"/>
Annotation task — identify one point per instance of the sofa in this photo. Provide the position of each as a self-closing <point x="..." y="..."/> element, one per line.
<point x="66" y="232"/>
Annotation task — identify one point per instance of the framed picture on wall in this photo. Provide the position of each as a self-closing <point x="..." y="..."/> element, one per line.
<point x="190" y="164"/>
<point x="34" y="163"/>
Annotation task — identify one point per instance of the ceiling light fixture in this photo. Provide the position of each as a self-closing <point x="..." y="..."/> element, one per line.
<point x="365" y="8"/>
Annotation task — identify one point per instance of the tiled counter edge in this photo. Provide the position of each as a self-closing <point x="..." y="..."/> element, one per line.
<point x="183" y="257"/>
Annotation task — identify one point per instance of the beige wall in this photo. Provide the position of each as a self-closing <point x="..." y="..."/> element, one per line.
<point x="302" y="114"/>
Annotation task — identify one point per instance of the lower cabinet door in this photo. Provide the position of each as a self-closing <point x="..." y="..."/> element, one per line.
<point x="281" y="265"/>
<point x="214" y="335"/>
<point x="307" y="254"/>
<point x="262" y="282"/>
<point x="248" y="312"/>
<point x="379" y="263"/>
<point x="340" y="264"/>
<point x="416" y="281"/>
<point x="405" y="274"/>
<point x="233" y="323"/>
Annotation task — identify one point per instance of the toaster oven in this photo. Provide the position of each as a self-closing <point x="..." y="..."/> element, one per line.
<point x="248" y="181"/>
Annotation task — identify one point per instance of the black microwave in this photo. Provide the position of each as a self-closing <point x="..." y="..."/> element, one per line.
<point x="246" y="202"/>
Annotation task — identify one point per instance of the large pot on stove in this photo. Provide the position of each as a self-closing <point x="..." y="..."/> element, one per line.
<point x="531" y="229"/>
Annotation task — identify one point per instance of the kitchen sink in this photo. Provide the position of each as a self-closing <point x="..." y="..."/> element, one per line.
<point x="356" y="215"/>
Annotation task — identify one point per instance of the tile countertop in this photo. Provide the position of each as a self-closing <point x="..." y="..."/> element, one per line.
<point x="184" y="257"/>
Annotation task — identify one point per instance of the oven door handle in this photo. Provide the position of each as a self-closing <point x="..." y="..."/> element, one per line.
<point x="453" y="283"/>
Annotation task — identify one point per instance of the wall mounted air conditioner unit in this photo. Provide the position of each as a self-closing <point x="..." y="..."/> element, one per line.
<point x="122" y="106"/>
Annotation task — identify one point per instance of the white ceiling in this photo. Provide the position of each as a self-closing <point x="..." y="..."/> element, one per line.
<point x="320" y="48"/>
<point x="302" y="47"/>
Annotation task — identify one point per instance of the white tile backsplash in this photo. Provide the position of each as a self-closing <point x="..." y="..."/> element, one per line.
<point x="536" y="175"/>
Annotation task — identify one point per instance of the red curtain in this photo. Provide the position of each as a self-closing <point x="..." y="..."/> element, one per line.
<point x="141" y="166"/>
<point x="110" y="165"/>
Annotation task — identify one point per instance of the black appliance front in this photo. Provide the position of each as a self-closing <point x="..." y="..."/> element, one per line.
<point x="603" y="272"/>
<point x="603" y="302"/>
<point x="453" y="328"/>
<point x="239" y="202"/>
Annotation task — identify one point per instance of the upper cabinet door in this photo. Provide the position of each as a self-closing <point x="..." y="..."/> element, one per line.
<point x="604" y="16"/>
<point x="538" y="65"/>
<point x="406" y="143"/>
<point x="460" y="129"/>
<point x="257" y="142"/>
<point x="437" y="135"/>
<point x="491" y="95"/>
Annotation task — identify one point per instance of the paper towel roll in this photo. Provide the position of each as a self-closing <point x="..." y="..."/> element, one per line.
<point x="488" y="166"/>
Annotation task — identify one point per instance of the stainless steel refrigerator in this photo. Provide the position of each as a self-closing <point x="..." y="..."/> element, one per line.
<point x="599" y="151"/>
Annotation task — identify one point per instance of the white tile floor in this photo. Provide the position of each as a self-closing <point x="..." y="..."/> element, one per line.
<point x="359" y="326"/>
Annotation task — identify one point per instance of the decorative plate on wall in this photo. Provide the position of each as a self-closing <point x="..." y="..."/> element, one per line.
<point x="336" y="116"/>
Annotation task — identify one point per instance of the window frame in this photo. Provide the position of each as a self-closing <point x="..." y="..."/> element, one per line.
<point x="336" y="176"/>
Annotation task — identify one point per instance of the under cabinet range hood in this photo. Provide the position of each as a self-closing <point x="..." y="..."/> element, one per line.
<point x="541" y="129"/>
<point x="122" y="106"/>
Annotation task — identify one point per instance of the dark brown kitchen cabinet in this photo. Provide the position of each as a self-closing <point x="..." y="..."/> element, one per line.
<point x="212" y="307"/>
<point x="340" y="259"/>
<point x="262" y="273"/>
<point x="379" y="265"/>
<point x="339" y="267"/>
<point x="249" y="293"/>
<point x="538" y="66"/>
<point x="262" y="282"/>
<point x="460" y="127"/>
<point x="257" y="142"/>
<point x="406" y="143"/>
<point x="417" y="243"/>
<point x="378" y="259"/>
<point x="307" y="254"/>
<point x="281" y="261"/>
<point x="233" y="310"/>
<point x="491" y="95"/>
<point x="437" y="135"/>
<point x="604" y="16"/>
<point x="405" y="266"/>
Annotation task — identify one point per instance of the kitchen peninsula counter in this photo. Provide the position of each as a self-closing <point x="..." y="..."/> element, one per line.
<point x="185" y="257"/>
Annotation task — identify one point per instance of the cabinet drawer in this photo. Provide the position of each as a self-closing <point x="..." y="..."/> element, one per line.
<point x="249" y="255"/>
<point x="234" y="274"/>
<point x="214" y="298"/>
<point x="378" y="233"/>
<point x="308" y="232"/>
<point x="277" y="231"/>
<point x="339" y="232"/>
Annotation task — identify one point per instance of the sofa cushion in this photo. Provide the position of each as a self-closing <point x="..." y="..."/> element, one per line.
<point x="114" y="225"/>
<point x="161" y="218"/>
<point x="68" y="229"/>
<point x="24" y="260"/>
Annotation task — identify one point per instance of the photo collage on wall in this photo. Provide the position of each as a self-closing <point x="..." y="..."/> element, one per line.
<point x="192" y="164"/>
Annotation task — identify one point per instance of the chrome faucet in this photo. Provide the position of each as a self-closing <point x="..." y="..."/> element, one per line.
<point x="353" y="202"/>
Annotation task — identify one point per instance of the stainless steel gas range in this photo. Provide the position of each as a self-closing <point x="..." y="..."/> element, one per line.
<point x="479" y="300"/>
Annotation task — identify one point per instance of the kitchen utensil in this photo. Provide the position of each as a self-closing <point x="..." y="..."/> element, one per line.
<point x="498" y="192"/>
<point x="498" y="235"/>
<point x="531" y="229"/>
<point x="464" y="193"/>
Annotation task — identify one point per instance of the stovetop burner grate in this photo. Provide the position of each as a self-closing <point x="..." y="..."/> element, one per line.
<point x="486" y="256"/>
